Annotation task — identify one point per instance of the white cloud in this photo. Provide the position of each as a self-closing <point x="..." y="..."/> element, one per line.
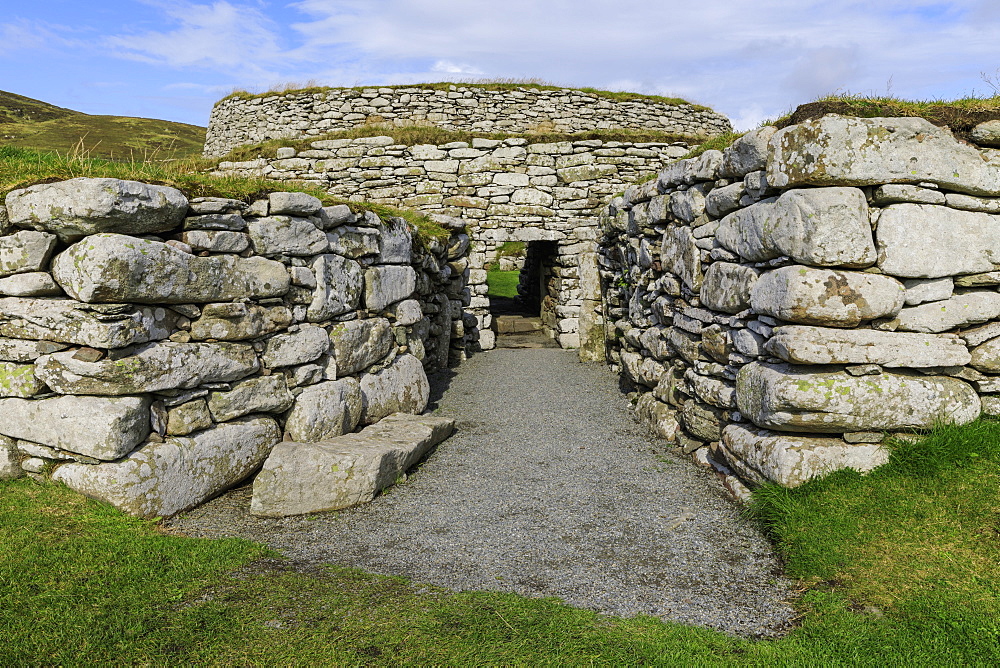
<point x="24" y="35"/>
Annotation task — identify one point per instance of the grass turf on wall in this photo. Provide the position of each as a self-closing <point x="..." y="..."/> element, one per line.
<point x="899" y="567"/>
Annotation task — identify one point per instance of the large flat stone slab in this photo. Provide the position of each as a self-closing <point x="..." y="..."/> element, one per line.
<point x="822" y="227"/>
<point x="401" y="387"/>
<point x="300" y="478"/>
<point x="927" y="241"/>
<point x="810" y="399"/>
<point x="78" y="207"/>
<point x="119" y="268"/>
<point x="826" y="297"/>
<point x="800" y="344"/>
<point x="64" y="321"/>
<point x="151" y="368"/>
<point x="760" y="456"/>
<point x="101" y="427"/>
<point x="161" y="479"/>
<point x="841" y="151"/>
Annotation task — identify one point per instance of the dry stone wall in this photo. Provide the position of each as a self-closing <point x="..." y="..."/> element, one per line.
<point x="237" y="121"/>
<point x="509" y="190"/>
<point x="154" y="350"/>
<point x="780" y="306"/>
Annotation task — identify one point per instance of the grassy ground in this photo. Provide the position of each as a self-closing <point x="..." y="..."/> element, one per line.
<point x="30" y="123"/>
<point x="502" y="283"/>
<point x="898" y="568"/>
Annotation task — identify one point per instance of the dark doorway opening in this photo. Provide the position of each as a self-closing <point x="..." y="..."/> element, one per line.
<point x="529" y="318"/>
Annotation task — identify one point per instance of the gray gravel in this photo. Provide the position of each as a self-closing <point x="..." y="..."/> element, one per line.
<point x="548" y="488"/>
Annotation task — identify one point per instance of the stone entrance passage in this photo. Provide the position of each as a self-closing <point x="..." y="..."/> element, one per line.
<point x="528" y="320"/>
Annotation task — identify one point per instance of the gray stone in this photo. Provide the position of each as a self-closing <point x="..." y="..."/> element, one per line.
<point x="104" y="428"/>
<point x="307" y="344"/>
<point x="340" y="283"/>
<point x="187" y="418"/>
<point x="217" y="241"/>
<point x="286" y="235"/>
<point x="63" y="320"/>
<point x="897" y="193"/>
<point x="325" y="410"/>
<point x="991" y="407"/>
<point x="238" y="321"/>
<point x="688" y="205"/>
<point x="837" y="150"/>
<point x="396" y="245"/>
<point x="971" y="308"/>
<point x="35" y="284"/>
<point x="826" y="297"/>
<point x="826" y="227"/>
<point x="791" y="398"/>
<point x="25" y="251"/>
<point x="10" y="464"/>
<point x="332" y="216"/>
<point x="748" y="342"/>
<point x="747" y="154"/>
<point x="117" y="268"/>
<point x="152" y="367"/>
<point x="358" y="344"/>
<point x="972" y="337"/>
<point x="300" y="478"/>
<point x="921" y="291"/>
<point x="789" y="460"/>
<point x="401" y="387"/>
<point x="263" y="394"/>
<point x="387" y="284"/>
<point x="232" y="222"/>
<point x="161" y="479"/>
<point x="19" y="380"/>
<point x="987" y="133"/>
<point x="820" y="345"/>
<point x="354" y="242"/>
<point x="926" y="241"/>
<point x="680" y="255"/>
<point x="712" y="391"/>
<point x="702" y="422"/>
<point x="864" y="437"/>
<point x="986" y="357"/>
<point x="20" y="350"/>
<point x="661" y="418"/>
<point x="294" y="204"/>
<point x="986" y="280"/>
<point x="203" y="205"/>
<point x="727" y="287"/>
<point x="724" y="199"/>
<point x="78" y="207"/>
<point x="406" y="312"/>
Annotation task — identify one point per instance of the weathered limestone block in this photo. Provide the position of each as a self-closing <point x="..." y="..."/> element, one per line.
<point x="396" y="245"/>
<point x="238" y="321"/>
<point x="406" y="312"/>
<point x="104" y="428"/>
<point x="702" y="422"/>
<point x="19" y="350"/>
<point x="927" y="241"/>
<point x="161" y="479"/>
<point x="293" y="204"/>
<point x="300" y="478"/>
<point x="339" y="285"/>
<point x="286" y="235"/>
<point x="63" y="320"/>
<point x="986" y="357"/>
<point x="18" y="380"/>
<point x="712" y="391"/>
<point x="971" y="308"/>
<point x="727" y="287"/>
<point x="358" y="344"/>
<point x="688" y="205"/>
<point x="789" y="398"/>
<point x="263" y="394"/>
<point x="34" y="284"/>
<point x="25" y="251"/>
<point x="401" y="387"/>
<point x="387" y="284"/>
<point x="354" y="242"/>
<point x="325" y="410"/>
<point x="307" y="344"/>
<point x="920" y="291"/>
<point x="10" y="461"/>
<point x="188" y="417"/>
<point x="151" y="368"/>
<point x="681" y="256"/>
<point x="825" y="227"/>
<point x="837" y="150"/>
<point x="231" y="222"/>
<point x="747" y="154"/>
<point x="826" y="297"/>
<point x="216" y="241"/>
<point x="118" y="268"/>
<point x="760" y="456"/>
<point x="820" y="345"/>
<point x="659" y="416"/>
<point x="78" y="207"/>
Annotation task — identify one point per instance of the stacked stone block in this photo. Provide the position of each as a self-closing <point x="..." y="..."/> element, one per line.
<point x="793" y="299"/>
<point x="237" y="121"/>
<point x="153" y="350"/>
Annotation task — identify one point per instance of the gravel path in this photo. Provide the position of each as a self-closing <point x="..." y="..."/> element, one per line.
<point x="547" y="488"/>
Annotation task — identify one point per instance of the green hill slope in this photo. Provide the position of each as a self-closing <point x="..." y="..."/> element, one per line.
<point x="29" y="123"/>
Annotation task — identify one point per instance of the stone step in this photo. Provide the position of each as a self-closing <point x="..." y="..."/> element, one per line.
<point x="517" y="324"/>
<point x="302" y="478"/>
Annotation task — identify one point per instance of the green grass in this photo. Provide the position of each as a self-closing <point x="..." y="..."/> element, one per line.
<point x="30" y="123"/>
<point x="502" y="283"/>
<point x="899" y="567"/>
<point x="20" y="168"/>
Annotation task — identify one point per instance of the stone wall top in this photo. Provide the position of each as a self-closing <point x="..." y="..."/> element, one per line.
<point x="237" y="121"/>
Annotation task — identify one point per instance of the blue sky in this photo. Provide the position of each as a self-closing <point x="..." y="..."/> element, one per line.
<point x="749" y="60"/>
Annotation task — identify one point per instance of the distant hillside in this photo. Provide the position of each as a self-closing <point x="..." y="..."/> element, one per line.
<point x="30" y="123"/>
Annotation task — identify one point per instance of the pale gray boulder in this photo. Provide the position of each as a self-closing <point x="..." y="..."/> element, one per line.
<point x="162" y="479"/>
<point x="401" y="387"/>
<point x="65" y="321"/>
<point x="262" y="394"/>
<point x="396" y="244"/>
<point x="927" y="241"/>
<point x="354" y="242"/>
<point x="727" y="287"/>
<point x="216" y="241"/>
<point x="747" y="154"/>
<point x="358" y="344"/>
<point x="78" y="207"/>
<point x="339" y="286"/>
<point x="971" y="308"/>
<point x="921" y="291"/>
<point x="307" y="344"/>
<point x="681" y="256"/>
<point x="387" y="284"/>
<point x="239" y="321"/>
<point x="821" y="345"/>
<point x="987" y="133"/>
<point x="188" y="417"/>
<point x="34" y="284"/>
<point x="325" y="410"/>
<point x="25" y="251"/>
<point x="286" y="235"/>
<point x="293" y="204"/>
<point x="20" y="350"/>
